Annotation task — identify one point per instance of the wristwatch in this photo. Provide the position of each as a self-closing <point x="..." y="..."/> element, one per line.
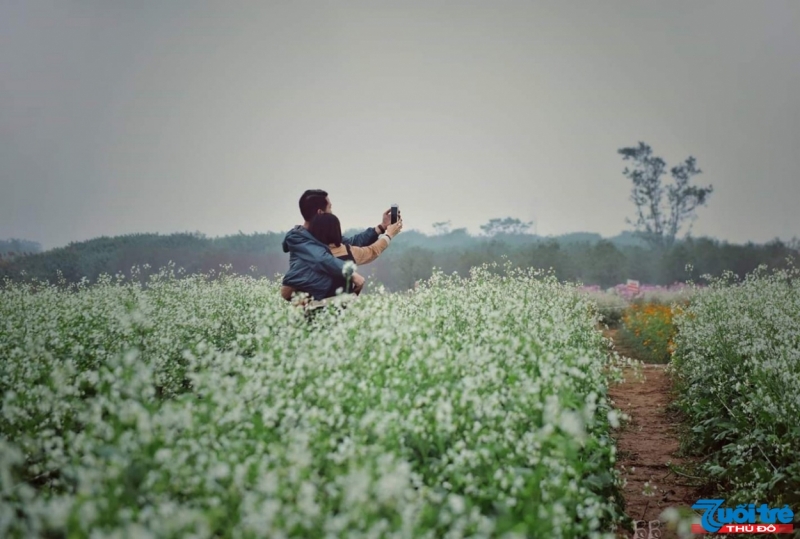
<point x="382" y="228"/>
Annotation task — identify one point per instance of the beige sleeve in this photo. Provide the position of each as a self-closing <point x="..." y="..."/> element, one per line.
<point x="365" y="255"/>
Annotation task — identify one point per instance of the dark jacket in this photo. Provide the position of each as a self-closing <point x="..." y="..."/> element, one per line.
<point x="312" y="267"/>
<point x="341" y="281"/>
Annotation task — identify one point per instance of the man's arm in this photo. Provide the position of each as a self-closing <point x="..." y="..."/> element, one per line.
<point x="318" y="257"/>
<point x="370" y="235"/>
<point x="363" y="239"/>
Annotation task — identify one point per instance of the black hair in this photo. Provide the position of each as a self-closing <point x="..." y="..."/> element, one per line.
<point x="312" y="201"/>
<point x="326" y="228"/>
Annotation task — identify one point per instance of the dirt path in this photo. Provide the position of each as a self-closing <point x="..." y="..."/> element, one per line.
<point x="647" y="444"/>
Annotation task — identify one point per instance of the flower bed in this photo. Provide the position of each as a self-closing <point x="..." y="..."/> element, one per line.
<point x="737" y="363"/>
<point x="211" y="408"/>
<point x="648" y="330"/>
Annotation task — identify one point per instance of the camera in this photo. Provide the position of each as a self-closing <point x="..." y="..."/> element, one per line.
<point x="395" y="213"/>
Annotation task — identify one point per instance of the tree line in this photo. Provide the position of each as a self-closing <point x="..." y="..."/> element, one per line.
<point x="652" y="252"/>
<point x="17" y="247"/>
<point x="583" y="257"/>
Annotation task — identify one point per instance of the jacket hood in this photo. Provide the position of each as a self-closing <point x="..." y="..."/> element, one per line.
<point x="296" y="236"/>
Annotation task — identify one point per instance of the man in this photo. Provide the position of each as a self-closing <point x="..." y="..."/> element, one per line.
<point x="312" y="267"/>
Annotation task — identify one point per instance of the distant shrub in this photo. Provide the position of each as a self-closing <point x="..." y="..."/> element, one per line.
<point x="648" y="330"/>
<point x="609" y="307"/>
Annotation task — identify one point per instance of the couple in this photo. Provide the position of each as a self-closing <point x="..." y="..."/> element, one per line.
<point x="318" y="252"/>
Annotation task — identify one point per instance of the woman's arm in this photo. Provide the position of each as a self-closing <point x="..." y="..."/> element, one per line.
<point x="365" y="255"/>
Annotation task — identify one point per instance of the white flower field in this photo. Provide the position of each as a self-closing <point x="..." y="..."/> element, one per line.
<point x="206" y="406"/>
<point x="200" y="407"/>
<point x="737" y="366"/>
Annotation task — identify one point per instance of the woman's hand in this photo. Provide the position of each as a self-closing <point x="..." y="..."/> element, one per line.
<point x="394" y="230"/>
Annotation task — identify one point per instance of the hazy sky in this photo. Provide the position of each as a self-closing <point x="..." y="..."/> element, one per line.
<point x="149" y="116"/>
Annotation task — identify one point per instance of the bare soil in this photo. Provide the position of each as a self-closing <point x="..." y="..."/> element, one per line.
<point x="647" y="444"/>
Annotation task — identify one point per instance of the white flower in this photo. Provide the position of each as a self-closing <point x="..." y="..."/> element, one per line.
<point x="349" y="268"/>
<point x="613" y="419"/>
<point x="572" y="423"/>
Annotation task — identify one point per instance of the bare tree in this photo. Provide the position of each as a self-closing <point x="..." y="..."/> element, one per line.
<point x="659" y="223"/>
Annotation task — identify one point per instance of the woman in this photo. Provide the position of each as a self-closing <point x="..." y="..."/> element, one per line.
<point x="326" y="228"/>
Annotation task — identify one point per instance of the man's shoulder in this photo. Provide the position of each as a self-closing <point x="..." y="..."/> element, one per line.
<point x="300" y="236"/>
<point x="297" y="229"/>
<point x="294" y="237"/>
<point x="298" y="233"/>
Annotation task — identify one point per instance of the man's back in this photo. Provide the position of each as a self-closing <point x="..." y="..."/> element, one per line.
<point x="312" y="267"/>
<point x="308" y="271"/>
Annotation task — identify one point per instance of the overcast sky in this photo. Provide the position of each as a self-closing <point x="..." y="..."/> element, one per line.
<point x="149" y="116"/>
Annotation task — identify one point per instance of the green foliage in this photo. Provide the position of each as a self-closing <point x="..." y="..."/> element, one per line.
<point x="192" y="252"/>
<point x="738" y="369"/>
<point x="508" y="225"/>
<point x="17" y="247"/>
<point x="574" y="257"/>
<point x="648" y="330"/>
<point x="610" y="307"/>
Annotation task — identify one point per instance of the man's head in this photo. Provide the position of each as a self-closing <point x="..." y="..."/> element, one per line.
<point x="314" y="201"/>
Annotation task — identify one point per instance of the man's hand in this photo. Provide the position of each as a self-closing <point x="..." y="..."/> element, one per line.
<point x="357" y="282"/>
<point x="387" y="217"/>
